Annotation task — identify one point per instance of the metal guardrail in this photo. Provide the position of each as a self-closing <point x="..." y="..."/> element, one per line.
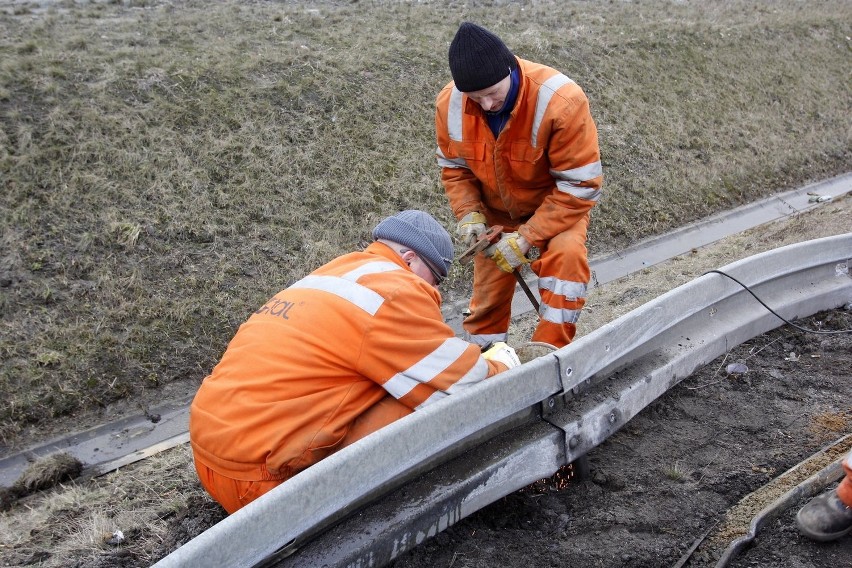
<point x="423" y="473"/>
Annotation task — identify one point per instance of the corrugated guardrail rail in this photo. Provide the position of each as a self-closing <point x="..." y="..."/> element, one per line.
<point x="372" y="501"/>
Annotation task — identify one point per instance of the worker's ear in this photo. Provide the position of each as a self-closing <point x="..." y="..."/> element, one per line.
<point x="408" y="255"/>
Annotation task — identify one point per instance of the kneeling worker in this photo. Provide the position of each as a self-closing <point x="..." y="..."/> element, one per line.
<point x="352" y="347"/>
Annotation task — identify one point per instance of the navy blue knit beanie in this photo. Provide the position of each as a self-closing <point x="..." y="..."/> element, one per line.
<point x="478" y="58"/>
<point x="421" y="233"/>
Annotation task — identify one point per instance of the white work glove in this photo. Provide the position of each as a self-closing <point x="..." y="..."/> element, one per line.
<point x="471" y="227"/>
<point x="507" y="252"/>
<point x="502" y="353"/>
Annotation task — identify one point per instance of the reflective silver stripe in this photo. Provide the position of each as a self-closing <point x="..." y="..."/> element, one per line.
<point x="485" y="339"/>
<point x="445" y="162"/>
<point x="545" y="93"/>
<point x="454" y="115"/>
<point x="345" y="286"/>
<point x="425" y="369"/>
<point x="588" y="193"/>
<point x="433" y="398"/>
<point x="571" y="290"/>
<point x="375" y="267"/>
<point x="577" y="175"/>
<point x="477" y="374"/>
<point x="558" y="316"/>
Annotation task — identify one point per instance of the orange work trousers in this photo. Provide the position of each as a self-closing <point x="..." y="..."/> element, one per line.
<point x="563" y="272"/>
<point x="233" y="494"/>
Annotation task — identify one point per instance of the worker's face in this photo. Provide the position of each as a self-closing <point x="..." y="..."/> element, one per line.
<point x="421" y="268"/>
<point x="493" y="98"/>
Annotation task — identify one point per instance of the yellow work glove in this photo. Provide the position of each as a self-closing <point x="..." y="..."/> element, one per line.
<point x="507" y="253"/>
<point x="504" y="354"/>
<point x="471" y="227"/>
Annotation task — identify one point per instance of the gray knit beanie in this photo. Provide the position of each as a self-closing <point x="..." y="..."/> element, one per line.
<point x="422" y="234"/>
<point x="479" y="59"/>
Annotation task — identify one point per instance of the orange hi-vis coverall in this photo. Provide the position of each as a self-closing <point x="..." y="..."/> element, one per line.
<point x="348" y="349"/>
<point x="541" y="176"/>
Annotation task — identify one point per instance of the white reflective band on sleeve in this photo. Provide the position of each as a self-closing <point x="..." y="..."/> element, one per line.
<point x="577" y="175"/>
<point x="426" y="369"/>
<point x="571" y="290"/>
<point x="361" y="296"/>
<point x="445" y="162"/>
<point x="454" y="115"/>
<point x="587" y="193"/>
<point x="477" y="374"/>
<point x="558" y="316"/>
<point x="545" y="93"/>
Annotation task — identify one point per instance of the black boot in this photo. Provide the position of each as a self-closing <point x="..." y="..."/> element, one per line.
<point x="825" y="518"/>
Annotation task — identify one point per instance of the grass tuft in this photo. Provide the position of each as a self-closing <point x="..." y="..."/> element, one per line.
<point x="675" y="472"/>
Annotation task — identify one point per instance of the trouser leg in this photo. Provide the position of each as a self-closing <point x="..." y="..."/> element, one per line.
<point x="232" y="494"/>
<point x="563" y="277"/>
<point x="381" y="414"/>
<point x="491" y="303"/>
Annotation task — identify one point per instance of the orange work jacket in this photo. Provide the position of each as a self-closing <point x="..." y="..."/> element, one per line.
<point x="320" y="353"/>
<point x="543" y="172"/>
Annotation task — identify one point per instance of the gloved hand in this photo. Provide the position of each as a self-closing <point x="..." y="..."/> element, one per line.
<point x="471" y="227"/>
<point x="502" y="353"/>
<point x="507" y="253"/>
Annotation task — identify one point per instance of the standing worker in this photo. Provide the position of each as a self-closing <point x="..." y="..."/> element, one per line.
<point x="518" y="147"/>
<point x="354" y="346"/>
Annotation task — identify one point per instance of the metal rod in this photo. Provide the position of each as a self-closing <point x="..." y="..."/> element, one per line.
<point x="527" y="291"/>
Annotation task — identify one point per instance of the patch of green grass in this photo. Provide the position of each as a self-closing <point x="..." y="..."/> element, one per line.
<point x="675" y="472"/>
<point x="167" y="168"/>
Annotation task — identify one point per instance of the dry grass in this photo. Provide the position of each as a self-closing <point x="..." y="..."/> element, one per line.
<point x="73" y="524"/>
<point x="827" y="426"/>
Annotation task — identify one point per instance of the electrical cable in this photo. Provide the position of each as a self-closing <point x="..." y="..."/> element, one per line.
<point x="773" y="312"/>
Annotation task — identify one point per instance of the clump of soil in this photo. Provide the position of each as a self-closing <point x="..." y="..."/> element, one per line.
<point x="42" y="474"/>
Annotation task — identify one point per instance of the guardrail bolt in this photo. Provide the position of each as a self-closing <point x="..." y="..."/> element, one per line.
<point x="573" y="442"/>
<point x="612" y="418"/>
<point x="551" y="402"/>
<point x="568" y="371"/>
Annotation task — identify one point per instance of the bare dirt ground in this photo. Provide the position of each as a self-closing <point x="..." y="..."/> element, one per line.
<point x="674" y="475"/>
